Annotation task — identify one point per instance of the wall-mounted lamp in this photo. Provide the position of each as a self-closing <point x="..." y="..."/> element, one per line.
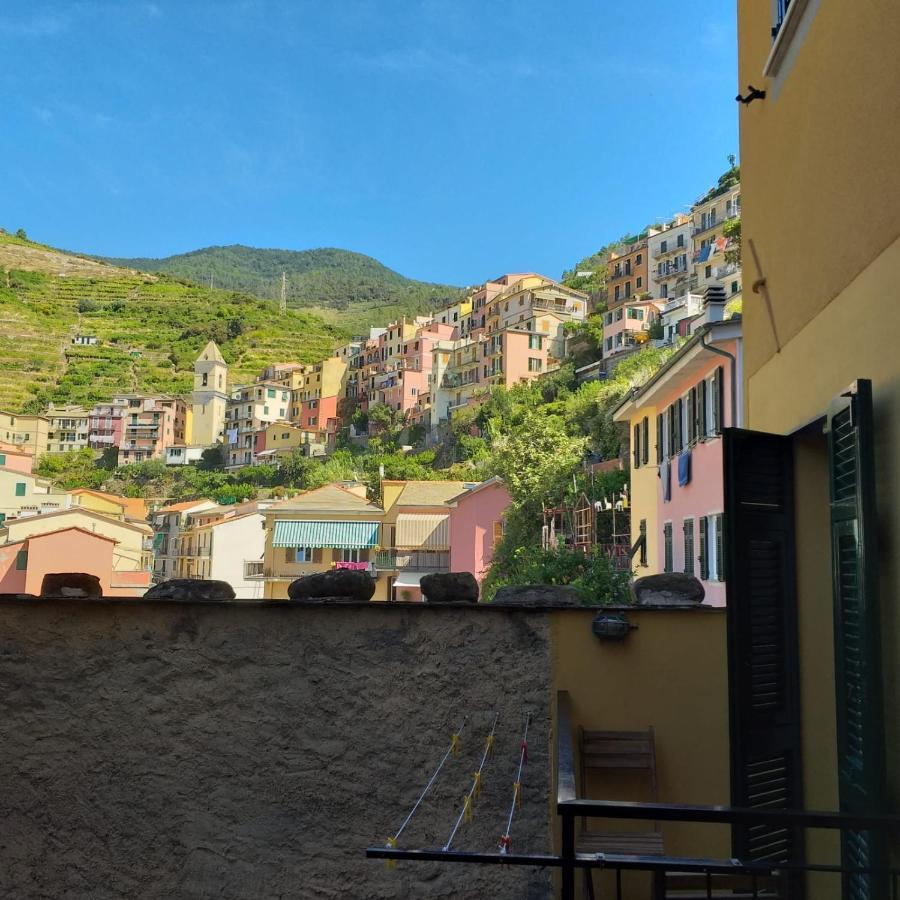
<point x="752" y="94"/>
<point x="611" y="626"/>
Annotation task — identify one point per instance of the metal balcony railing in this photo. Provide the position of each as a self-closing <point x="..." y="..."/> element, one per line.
<point x="710" y="877"/>
<point x="413" y="560"/>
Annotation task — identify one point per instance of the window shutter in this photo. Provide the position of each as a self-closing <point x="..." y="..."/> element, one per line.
<point x="667" y="544"/>
<point x="679" y="437"/>
<point x="861" y="761"/>
<point x="720" y="547"/>
<point x="671" y="414"/>
<point x="761" y="610"/>
<point x="688" y="527"/>
<point x="704" y="549"/>
<point x="645" y="440"/>
<point x="720" y="399"/>
<point x="715" y="404"/>
<point x="636" y="446"/>
<point x="702" y="398"/>
<point x="660" y="449"/>
<point x="691" y="408"/>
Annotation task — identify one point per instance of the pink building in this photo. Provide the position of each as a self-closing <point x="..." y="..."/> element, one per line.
<point x="515" y="355"/>
<point x="476" y="526"/>
<point x="105" y="425"/>
<point x="16" y="458"/>
<point x="625" y="324"/>
<point x="675" y="422"/>
<point x="23" y="564"/>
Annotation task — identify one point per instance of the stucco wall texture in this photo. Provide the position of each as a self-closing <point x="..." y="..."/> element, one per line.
<point x="154" y="749"/>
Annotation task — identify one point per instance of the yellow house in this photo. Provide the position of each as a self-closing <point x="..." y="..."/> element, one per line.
<point x="68" y="428"/>
<point x="416" y="533"/>
<point x="29" y="432"/>
<point x="317" y="531"/>
<point x="280" y="439"/>
<point x="23" y="493"/>
<point x="110" y="504"/>
<point x="132" y="552"/>
<point x="821" y="382"/>
<point x="643" y="429"/>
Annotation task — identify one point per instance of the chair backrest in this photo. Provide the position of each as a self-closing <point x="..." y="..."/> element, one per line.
<point x="619" y="750"/>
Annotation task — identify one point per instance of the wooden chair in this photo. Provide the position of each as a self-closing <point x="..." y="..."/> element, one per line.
<point x="621" y="751"/>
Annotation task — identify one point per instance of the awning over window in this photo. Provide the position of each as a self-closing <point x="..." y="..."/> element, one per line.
<point x="423" y="531"/>
<point x="409" y="579"/>
<point x="336" y="535"/>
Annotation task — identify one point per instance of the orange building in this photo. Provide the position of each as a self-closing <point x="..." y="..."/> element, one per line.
<point x="627" y="273"/>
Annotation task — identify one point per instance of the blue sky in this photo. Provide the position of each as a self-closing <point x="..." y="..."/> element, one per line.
<point x="451" y="139"/>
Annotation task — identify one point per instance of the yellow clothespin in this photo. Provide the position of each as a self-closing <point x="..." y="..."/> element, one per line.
<point x="476" y="786"/>
<point x="454" y="744"/>
<point x="517" y="793"/>
<point x="391" y="863"/>
<point x="490" y="745"/>
<point x="467" y="808"/>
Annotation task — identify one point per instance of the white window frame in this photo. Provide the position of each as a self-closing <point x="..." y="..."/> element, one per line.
<point x="712" y="413"/>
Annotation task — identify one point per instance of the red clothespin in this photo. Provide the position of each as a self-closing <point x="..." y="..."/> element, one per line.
<point x="525" y="751"/>
<point x="504" y="844"/>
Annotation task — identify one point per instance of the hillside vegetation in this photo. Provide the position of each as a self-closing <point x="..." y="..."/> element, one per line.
<point x="150" y="329"/>
<point x="345" y="288"/>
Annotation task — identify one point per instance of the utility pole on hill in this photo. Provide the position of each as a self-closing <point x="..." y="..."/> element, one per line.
<point x="283" y="305"/>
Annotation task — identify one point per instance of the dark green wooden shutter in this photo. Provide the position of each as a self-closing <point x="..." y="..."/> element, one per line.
<point x="667" y="547"/>
<point x="720" y="399"/>
<point x="645" y="440"/>
<point x="636" y="446"/>
<point x="688" y="528"/>
<point x="660" y="449"/>
<point x="704" y="549"/>
<point x="701" y="399"/>
<point x="720" y="547"/>
<point x="860" y="720"/>
<point x="763" y="683"/>
<point x="691" y="406"/>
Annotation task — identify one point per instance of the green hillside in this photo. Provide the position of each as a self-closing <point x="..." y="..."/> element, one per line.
<point x="150" y="329"/>
<point x="346" y="288"/>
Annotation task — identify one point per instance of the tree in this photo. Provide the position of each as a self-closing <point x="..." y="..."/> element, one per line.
<point x="732" y="230"/>
<point x="212" y="459"/>
<point x="21" y="234"/>
<point x="536" y="458"/>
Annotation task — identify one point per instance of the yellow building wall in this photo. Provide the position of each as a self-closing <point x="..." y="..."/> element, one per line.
<point x="645" y="496"/>
<point x="334" y="377"/>
<point x="671" y="673"/>
<point x="815" y="198"/>
<point x="818" y="208"/>
<point x="29" y="432"/>
<point x="98" y="504"/>
<point x="11" y="503"/>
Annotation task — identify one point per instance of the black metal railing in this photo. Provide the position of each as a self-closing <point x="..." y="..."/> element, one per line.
<point x="706" y="877"/>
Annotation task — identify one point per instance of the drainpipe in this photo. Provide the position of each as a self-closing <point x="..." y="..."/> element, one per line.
<point x="733" y="361"/>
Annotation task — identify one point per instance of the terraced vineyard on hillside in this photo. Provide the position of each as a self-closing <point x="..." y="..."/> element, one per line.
<point x="149" y="330"/>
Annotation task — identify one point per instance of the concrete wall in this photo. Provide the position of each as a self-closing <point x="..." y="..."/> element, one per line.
<point x="161" y="750"/>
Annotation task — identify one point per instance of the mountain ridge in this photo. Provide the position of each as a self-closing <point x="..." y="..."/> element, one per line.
<point x="341" y="285"/>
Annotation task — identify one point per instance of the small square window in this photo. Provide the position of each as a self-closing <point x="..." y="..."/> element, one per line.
<point x="21" y="560"/>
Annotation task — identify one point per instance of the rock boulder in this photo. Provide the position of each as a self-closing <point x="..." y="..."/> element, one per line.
<point x="449" y="587"/>
<point x="668" y="589"/>
<point x="71" y="584"/>
<point x="338" y="584"/>
<point x="190" y="589"/>
<point x="537" y="595"/>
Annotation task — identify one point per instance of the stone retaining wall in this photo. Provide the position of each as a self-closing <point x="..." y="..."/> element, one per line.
<point x="168" y="750"/>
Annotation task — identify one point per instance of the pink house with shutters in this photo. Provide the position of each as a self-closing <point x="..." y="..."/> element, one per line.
<point x="16" y="458"/>
<point x="675" y="427"/>
<point x="476" y="526"/>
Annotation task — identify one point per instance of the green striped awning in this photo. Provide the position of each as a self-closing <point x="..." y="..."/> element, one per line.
<point x="337" y="535"/>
